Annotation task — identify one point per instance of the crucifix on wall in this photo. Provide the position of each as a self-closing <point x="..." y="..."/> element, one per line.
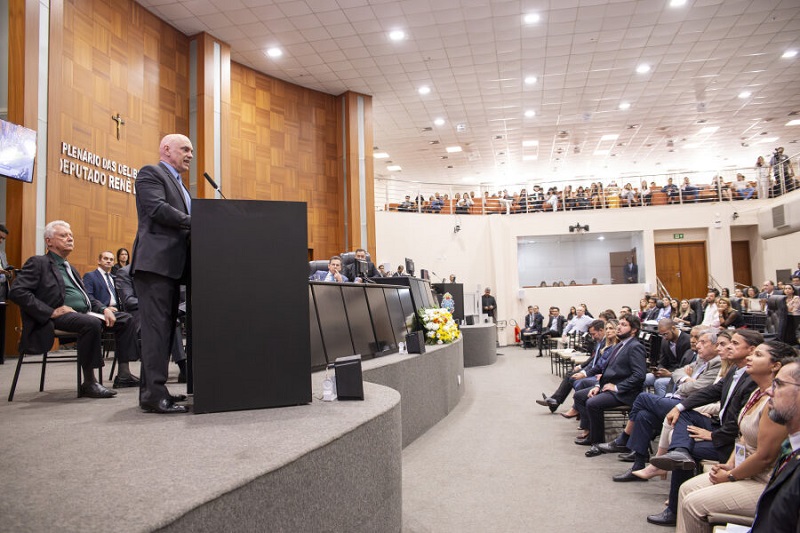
<point x="120" y="122"/>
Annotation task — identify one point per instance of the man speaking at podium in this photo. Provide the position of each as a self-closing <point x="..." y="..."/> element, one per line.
<point x="160" y="264"/>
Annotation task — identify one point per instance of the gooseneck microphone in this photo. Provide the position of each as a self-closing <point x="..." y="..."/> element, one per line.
<point x="213" y="184"/>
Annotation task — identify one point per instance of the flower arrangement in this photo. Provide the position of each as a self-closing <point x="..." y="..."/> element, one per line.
<point x="438" y="325"/>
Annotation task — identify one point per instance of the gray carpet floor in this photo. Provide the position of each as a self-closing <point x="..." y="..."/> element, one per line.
<point x="500" y="462"/>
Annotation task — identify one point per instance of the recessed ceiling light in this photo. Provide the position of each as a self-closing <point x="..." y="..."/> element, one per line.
<point x="677" y="3"/>
<point x="380" y="155"/>
<point x="745" y="94"/>
<point x="424" y="90"/>
<point x="397" y="35"/>
<point x="274" y="52"/>
<point x="453" y="149"/>
<point x="795" y="122"/>
<point x="530" y="80"/>
<point x="438" y="121"/>
<point x="624" y="105"/>
<point x="601" y="238"/>
<point x="609" y="137"/>
<point x="768" y="140"/>
<point x="708" y="130"/>
<point x="531" y="18"/>
<point x="530" y="143"/>
<point x="530" y="157"/>
<point x="394" y="168"/>
<point x="644" y="68"/>
<point x="788" y="54"/>
<point x="530" y="113"/>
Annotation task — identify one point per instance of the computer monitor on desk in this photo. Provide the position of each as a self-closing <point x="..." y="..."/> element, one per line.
<point x="409" y="266"/>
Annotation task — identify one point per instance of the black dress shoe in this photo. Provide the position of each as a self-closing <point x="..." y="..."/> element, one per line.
<point x="95" y="390"/>
<point x="674" y="460"/>
<point x="612" y="447"/>
<point x="583" y="441"/>
<point x="627" y="476"/>
<point x="540" y="355"/>
<point x="178" y="398"/>
<point x="665" y="518"/>
<point x="127" y="381"/>
<point x="163" y="407"/>
<point x="552" y="403"/>
<point x="594" y="451"/>
<point x="627" y="457"/>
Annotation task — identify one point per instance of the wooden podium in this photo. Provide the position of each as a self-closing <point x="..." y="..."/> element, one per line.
<point x="249" y="305"/>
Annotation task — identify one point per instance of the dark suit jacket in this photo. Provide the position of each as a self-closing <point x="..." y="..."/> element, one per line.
<point x="561" y="322"/>
<point x="350" y="271"/>
<point x="724" y="436"/>
<point x="125" y="292"/>
<point x="534" y="321"/>
<point x="97" y="288"/>
<point x="631" y="273"/>
<point x="626" y="369"/>
<point x="162" y="237"/>
<point x="669" y="361"/>
<point x="38" y="290"/>
<point x="778" y="510"/>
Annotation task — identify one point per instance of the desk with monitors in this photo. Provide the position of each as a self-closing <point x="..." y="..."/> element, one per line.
<point x="354" y="318"/>
<point x="422" y="294"/>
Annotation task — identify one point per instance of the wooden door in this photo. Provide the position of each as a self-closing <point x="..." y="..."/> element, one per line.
<point x="683" y="269"/>
<point x="740" y="252"/>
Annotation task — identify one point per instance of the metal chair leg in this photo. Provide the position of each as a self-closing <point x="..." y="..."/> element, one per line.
<point x="16" y="377"/>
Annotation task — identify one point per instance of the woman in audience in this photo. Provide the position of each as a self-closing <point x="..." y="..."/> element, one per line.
<point x="793" y="314"/>
<point x="628" y="196"/>
<point x="751" y="301"/>
<point x="609" y="341"/>
<point x="552" y="199"/>
<point x="674" y="307"/>
<point x="728" y="316"/>
<point x="644" y="193"/>
<point x="581" y="198"/>
<point x="642" y="308"/>
<point x="123" y="259"/>
<point x="760" y="438"/>
<point x="685" y="315"/>
<point x="596" y="195"/>
<point x="726" y="292"/>
<point x="572" y="313"/>
<point x="587" y="312"/>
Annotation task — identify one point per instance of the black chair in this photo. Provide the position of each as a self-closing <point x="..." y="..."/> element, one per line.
<point x="63" y="337"/>
<point x="777" y="316"/>
<point x="736" y="303"/>
<point x="697" y="305"/>
<point x="755" y="320"/>
<point x="316" y="265"/>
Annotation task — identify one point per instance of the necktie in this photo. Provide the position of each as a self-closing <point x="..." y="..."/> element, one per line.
<point x="186" y="197"/>
<point x="111" y="291"/>
<point x="68" y="268"/>
<point x="783" y="458"/>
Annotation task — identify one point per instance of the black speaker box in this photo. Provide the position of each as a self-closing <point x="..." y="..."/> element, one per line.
<point x="415" y="342"/>
<point x="349" y="381"/>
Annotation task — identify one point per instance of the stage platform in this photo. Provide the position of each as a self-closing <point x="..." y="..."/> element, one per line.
<point x="85" y="465"/>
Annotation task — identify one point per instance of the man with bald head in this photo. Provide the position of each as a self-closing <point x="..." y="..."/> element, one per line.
<point x="160" y="264"/>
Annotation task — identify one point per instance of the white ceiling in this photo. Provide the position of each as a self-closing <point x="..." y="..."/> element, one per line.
<point x="475" y="54"/>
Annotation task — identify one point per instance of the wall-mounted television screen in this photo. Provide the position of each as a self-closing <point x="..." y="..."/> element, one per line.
<point x="17" y="151"/>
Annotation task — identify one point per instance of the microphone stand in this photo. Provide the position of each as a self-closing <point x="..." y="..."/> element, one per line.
<point x="214" y="184"/>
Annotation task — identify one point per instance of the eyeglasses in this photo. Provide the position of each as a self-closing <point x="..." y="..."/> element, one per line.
<point x="777" y="383"/>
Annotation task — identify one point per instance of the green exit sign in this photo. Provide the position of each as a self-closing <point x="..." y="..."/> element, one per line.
<point x="677" y="235"/>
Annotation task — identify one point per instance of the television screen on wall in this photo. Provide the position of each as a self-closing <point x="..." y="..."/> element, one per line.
<point x="17" y="151"/>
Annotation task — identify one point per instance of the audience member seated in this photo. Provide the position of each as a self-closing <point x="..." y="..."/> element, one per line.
<point x="628" y="195"/>
<point x="689" y="191"/>
<point x="645" y="193"/>
<point x="583" y="376"/>
<point x="620" y="384"/>
<point x="651" y="312"/>
<point x="533" y="326"/>
<point x="674" y="344"/>
<point x="664" y="309"/>
<point x="407" y="205"/>
<point x="686" y="316"/>
<point x="123" y="259"/>
<point x="710" y="310"/>
<point x="696" y="436"/>
<point x="699" y="370"/>
<point x="721" y="189"/>
<point x="735" y="486"/>
<point x="333" y="274"/>
<point x="554" y="327"/>
<point x="672" y="191"/>
<point x="777" y="509"/>
<point x="744" y="190"/>
<point x="792" y="314"/>
<point x="579" y="323"/>
<point x="728" y="316"/>
<point x="752" y="302"/>
<point x="51" y="296"/>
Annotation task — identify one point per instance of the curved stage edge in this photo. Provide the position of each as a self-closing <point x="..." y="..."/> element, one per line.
<point x="326" y="466"/>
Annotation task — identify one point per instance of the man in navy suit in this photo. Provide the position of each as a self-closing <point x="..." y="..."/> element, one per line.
<point x="51" y="296"/>
<point x="777" y="510"/>
<point x="631" y="271"/>
<point x="620" y="384"/>
<point x="555" y="325"/>
<point x="160" y="264"/>
<point x="533" y="325"/>
<point x="334" y="272"/>
<point x="100" y="286"/>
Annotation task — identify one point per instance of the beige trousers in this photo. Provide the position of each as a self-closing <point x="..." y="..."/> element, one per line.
<point x="698" y="498"/>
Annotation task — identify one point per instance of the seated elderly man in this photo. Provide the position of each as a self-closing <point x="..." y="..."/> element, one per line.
<point x="334" y="272"/>
<point x="674" y="344"/>
<point x="51" y="296"/>
<point x="650" y="409"/>
<point x="620" y="384"/>
<point x="579" y="323"/>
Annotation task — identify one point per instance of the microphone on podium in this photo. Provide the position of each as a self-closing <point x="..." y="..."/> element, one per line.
<point x="213" y="184"/>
